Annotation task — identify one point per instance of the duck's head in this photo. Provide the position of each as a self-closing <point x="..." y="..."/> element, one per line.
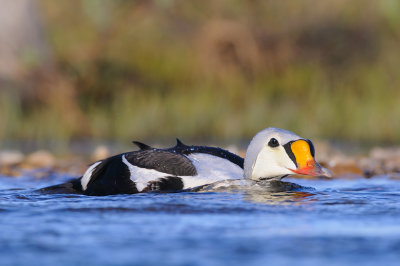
<point x="274" y="153"/>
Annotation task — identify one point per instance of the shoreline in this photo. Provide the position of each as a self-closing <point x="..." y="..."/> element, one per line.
<point x="356" y="162"/>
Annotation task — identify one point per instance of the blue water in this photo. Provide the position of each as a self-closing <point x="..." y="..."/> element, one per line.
<point x="338" y="222"/>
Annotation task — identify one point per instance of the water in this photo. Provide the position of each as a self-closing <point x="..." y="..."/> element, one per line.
<point x="337" y="222"/>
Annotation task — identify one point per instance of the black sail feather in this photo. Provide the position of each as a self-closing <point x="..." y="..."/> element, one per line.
<point x="142" y="146"/>
<point x="179" y="143"/>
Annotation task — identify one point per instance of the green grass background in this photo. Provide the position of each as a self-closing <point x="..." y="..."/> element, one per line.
<point x="208" y="69"/>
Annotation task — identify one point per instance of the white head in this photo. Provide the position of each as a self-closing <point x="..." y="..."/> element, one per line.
<point x="274" y="153"/>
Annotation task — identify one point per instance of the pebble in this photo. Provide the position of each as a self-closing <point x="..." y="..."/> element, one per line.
<point x="11" y="157"/>
<point x="40" y="159"/>
<point x="381" y="161"/>
<point x="101" y="152"/>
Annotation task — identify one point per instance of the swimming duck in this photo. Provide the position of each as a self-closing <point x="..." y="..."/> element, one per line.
<point x="271" y="155"/>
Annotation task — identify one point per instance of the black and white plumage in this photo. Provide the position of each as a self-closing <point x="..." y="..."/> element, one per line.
<point x="272" y="154"/>
<point x="152" y="169"/>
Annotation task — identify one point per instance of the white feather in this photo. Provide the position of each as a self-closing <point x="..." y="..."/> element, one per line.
<point x="142" y="176"/>
<point x="211" y="169"/>
<point x="88" y="175"/>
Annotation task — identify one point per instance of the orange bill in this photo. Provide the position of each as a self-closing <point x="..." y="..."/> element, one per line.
<point x="306" y="164"/>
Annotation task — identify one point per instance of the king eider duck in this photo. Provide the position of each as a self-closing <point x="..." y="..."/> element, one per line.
<point x="272" y="154"/>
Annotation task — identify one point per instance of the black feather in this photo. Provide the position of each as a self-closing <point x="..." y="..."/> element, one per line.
<point x="165" y="184"/>
<point x="71" y="187"/>
<point x="111" y="176"/>
<point x="163" y="161"/>
<point x="142" y="146"/>
<point x="179" y="143"/>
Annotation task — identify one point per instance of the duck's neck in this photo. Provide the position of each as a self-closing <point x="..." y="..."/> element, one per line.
<point x="250" y="160"/>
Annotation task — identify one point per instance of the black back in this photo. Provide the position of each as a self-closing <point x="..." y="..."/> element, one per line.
<point x="181" y="148"/>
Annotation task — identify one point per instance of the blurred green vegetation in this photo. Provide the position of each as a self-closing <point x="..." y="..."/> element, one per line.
<point x="212" y="69"/>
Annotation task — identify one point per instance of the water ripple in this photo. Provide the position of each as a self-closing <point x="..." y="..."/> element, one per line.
<point x="316" y="222"/>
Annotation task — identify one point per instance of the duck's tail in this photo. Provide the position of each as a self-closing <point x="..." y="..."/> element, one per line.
<point x="71" y="187"/>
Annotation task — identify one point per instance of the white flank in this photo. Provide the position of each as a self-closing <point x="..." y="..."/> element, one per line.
<point x="88" y="174"/>
<point x="141" y="176"/>
<point x="211" y="169"/>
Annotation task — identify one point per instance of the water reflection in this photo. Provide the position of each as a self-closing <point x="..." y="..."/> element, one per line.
<point x="266" y="192"/>
<point x="281" y="198"/>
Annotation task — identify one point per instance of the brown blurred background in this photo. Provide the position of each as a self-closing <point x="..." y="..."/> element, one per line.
<point x="203" y="69"/>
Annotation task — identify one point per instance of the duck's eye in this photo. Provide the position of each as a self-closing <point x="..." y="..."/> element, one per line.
<point x="273" y="143"/>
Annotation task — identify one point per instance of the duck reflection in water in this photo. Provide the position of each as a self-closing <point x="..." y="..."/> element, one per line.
<point x="267" y="192"/>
